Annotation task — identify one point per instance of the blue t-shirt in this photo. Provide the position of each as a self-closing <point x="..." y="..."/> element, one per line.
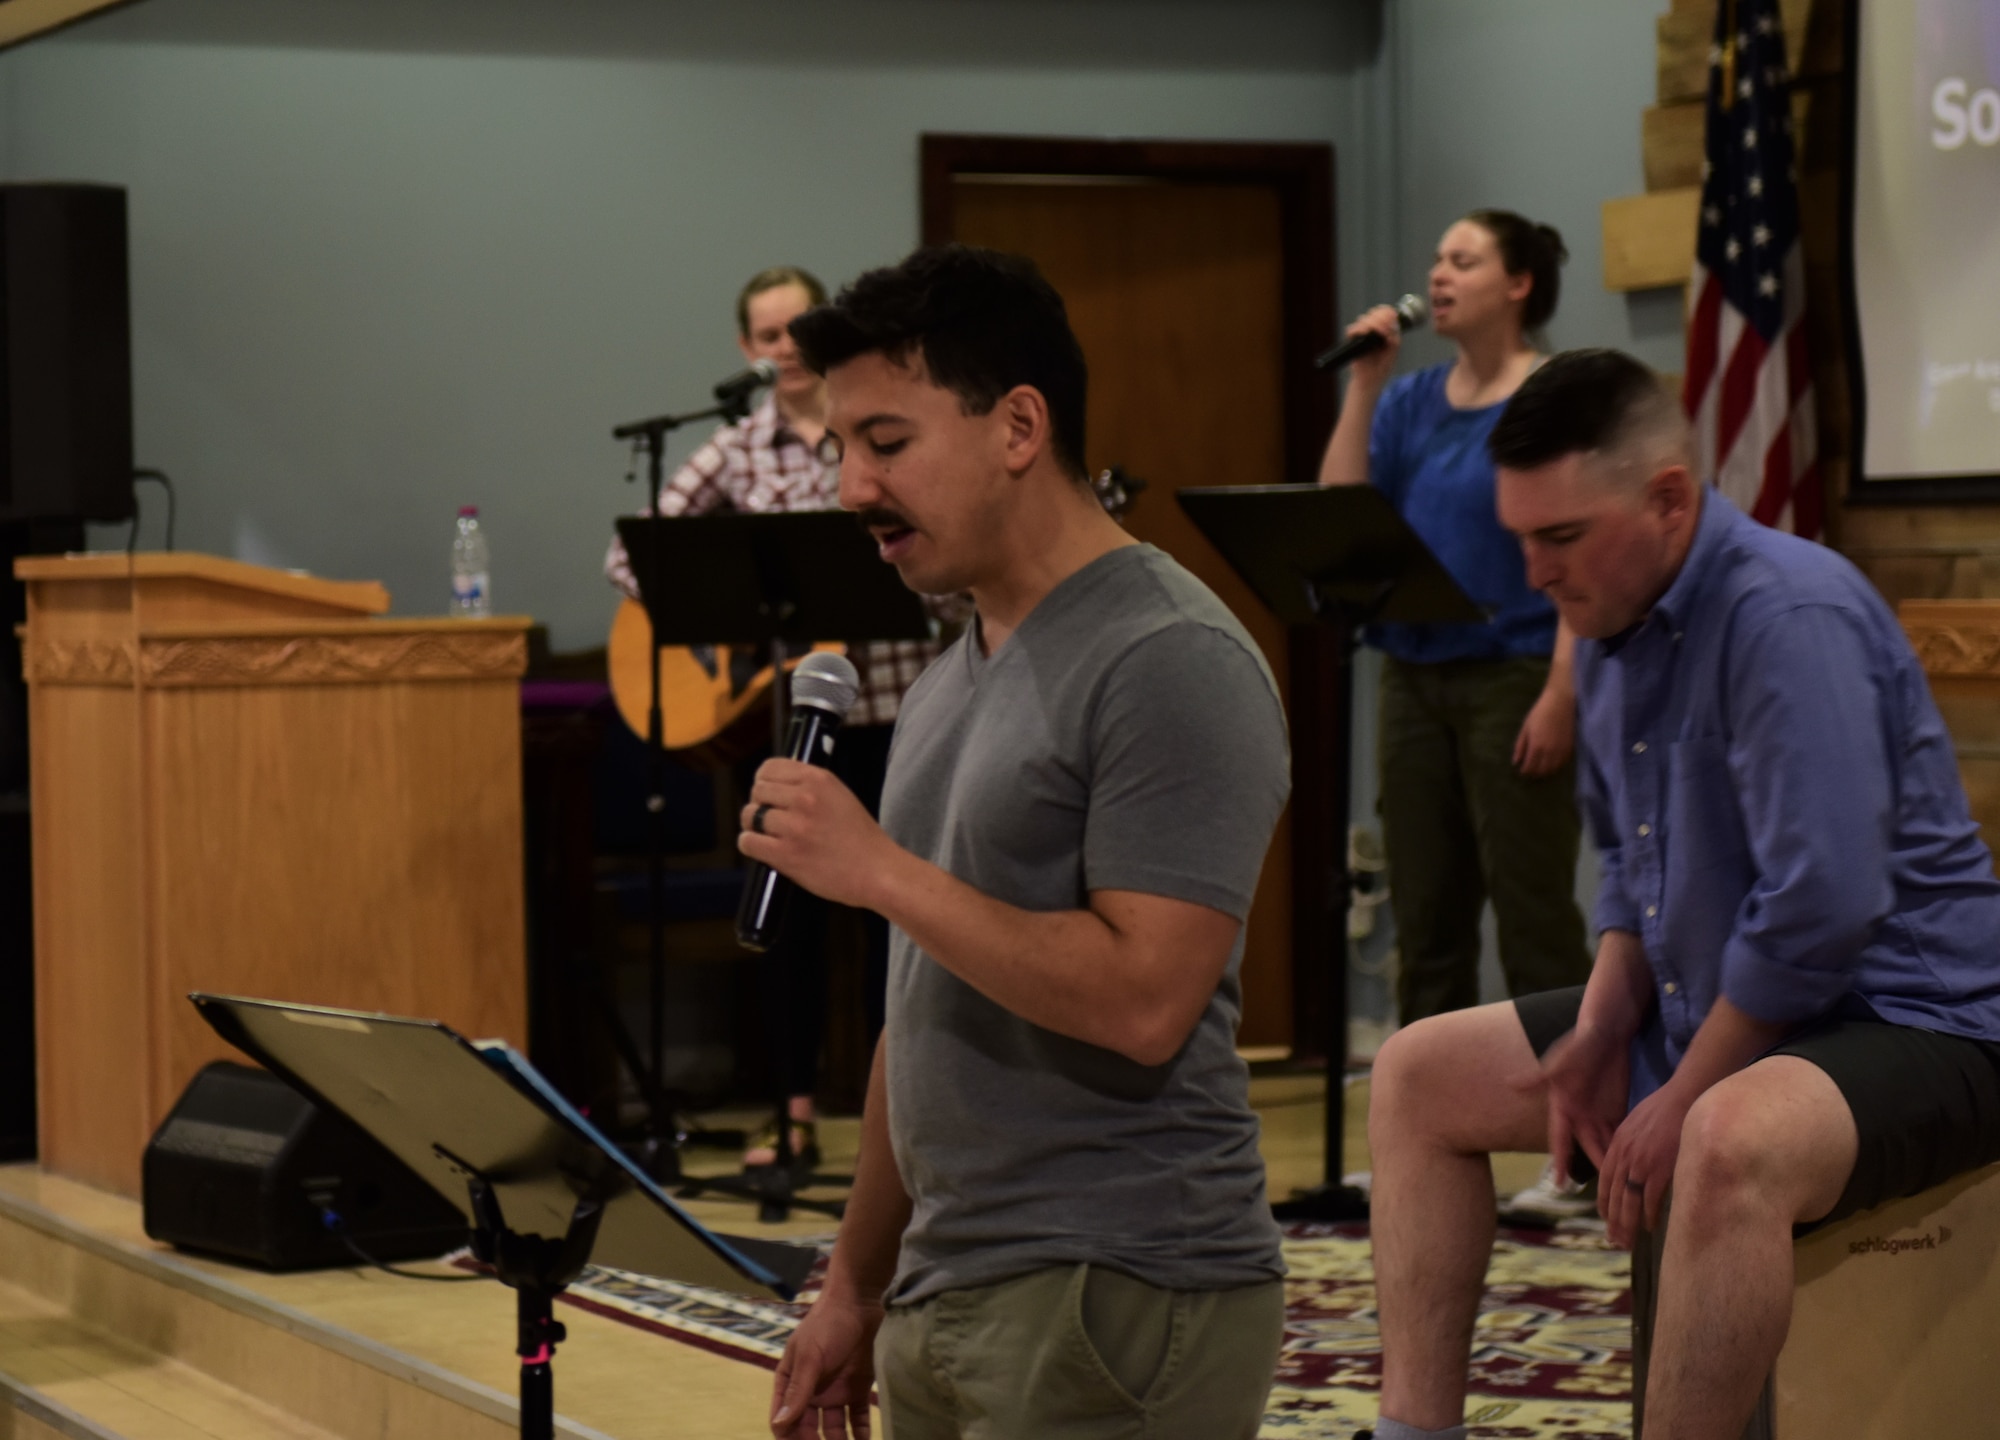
<point x="1430" y="459"/>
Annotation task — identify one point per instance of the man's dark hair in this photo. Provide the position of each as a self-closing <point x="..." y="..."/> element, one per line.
<point x="1578" y="401"/>
<point x="981" y="321"/>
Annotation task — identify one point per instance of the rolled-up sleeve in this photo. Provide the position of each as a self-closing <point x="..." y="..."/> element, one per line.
<point x="1811" y="760"/>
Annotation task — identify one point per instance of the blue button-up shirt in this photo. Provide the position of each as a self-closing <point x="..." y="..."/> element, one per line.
<point x="1777" y="803"/>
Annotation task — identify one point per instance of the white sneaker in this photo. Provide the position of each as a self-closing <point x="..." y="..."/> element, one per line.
<point x="1548" y="1202"/>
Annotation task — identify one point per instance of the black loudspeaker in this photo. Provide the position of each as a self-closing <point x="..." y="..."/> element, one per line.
<point x="246" y="1167"/>
<point x="65" y="354"/>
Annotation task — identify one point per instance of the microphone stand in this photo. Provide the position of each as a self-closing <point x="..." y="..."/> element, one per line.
<point x="660" y="1156"/>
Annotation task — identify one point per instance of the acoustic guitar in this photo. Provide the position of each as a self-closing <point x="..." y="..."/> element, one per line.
<point x="715" y="699"/>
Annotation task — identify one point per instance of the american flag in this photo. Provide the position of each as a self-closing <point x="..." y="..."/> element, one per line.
<point x="1749" y="382"/>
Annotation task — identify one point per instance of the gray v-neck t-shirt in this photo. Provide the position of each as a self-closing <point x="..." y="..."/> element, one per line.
<point x="1127" y="736"/>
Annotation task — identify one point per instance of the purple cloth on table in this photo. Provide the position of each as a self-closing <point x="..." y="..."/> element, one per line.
<point x="564" y="694"/>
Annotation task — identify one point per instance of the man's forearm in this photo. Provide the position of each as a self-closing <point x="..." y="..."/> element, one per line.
<point x="1346" y="459"/>
<point x="1620" y="990"/>
<point x="1562" y="664"/>
<point x="1071" y="971"/>
<point x="878" y="1208"/>
<point x="1134" y="972"/>
<point x="1727" y="1040"/>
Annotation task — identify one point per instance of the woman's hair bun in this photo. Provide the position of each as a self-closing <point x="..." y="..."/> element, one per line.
<point x="1528" y="248"/>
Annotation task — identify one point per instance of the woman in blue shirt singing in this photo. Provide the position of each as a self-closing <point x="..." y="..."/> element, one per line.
<point x="1478" y="721"/>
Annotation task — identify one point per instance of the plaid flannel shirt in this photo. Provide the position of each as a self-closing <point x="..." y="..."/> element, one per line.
<point x="759" y="465"/>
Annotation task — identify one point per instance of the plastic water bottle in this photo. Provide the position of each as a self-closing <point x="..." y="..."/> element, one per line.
<point x="471" y="592"/>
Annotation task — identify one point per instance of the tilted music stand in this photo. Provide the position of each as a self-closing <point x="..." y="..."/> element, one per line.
<point x="782" y="582"/>
<point x="1338" y="556"/>
<point x="543" y="1190"/>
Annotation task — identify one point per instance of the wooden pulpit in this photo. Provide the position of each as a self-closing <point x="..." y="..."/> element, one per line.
<point x="1958" y="642"/>
<point x="243" y="782"/>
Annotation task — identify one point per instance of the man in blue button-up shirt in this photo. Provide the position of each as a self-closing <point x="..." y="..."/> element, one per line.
<point x="1795" y="1008"/>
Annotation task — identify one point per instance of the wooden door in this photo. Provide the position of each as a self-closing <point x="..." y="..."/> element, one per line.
<point x="1176" y="291"/>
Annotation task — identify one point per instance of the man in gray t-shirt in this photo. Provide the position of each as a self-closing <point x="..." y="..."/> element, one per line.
<point x="1126" y="737"/>
<point x="1058" y="1224"/>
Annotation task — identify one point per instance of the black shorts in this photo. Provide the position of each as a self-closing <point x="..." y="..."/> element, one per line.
<point x="1926" y="1105"/>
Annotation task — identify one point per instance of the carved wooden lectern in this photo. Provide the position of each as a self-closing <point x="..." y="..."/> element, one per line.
<point x="242" y="783"/>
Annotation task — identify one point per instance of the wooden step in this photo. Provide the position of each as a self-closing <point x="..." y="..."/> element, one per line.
<point x="27" y="1414"/>
<point x="103" y="1334"/>
<point x="63" y="1377"/>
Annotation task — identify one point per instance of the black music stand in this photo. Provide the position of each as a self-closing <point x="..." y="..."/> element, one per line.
<point x="1338" y="556"/>
<point x="544" y="1191"/>
<point x="664" y="1136"/>
<point x="782" y="582"/>
<point x="794" y="579"/>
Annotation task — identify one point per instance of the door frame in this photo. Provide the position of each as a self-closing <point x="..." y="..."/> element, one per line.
<point x="1302" y="177"/>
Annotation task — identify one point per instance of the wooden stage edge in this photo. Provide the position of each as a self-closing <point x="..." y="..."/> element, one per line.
<point x="107" y="1335"/>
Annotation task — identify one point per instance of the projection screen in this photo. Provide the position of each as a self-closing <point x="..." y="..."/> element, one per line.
<point x="1924" y="246"/>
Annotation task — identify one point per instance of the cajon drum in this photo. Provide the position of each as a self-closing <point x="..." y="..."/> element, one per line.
<point x="1895" y="1322"/>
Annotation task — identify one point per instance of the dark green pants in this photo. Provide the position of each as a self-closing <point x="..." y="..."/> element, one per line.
<point x="1460" y="824"/>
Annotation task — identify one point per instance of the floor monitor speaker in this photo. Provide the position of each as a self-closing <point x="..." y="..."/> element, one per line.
<point x="246" y="1167"/>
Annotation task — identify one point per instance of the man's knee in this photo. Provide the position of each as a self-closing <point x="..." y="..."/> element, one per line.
<point x="1458" y="1075"/>
<point x="1775" y="1137"/>
<point x="1721" y="1163"/>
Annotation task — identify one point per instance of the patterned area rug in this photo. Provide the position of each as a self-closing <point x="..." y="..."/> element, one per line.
<point x="1551" y="1355"/>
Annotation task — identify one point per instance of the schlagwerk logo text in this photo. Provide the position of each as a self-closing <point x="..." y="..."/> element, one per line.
<point x="1897" y="1245"/>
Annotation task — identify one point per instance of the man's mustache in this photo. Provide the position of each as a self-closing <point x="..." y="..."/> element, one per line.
<point x="881" y="517"/>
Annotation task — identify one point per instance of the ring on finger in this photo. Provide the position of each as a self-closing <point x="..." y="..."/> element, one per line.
<point x="757" y="819"/>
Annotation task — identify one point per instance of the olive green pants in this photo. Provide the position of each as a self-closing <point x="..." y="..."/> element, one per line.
<point x="1080" y="1353"/>
<point x="1460" y="824"/>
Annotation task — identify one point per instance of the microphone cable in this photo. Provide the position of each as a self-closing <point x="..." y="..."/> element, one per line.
<point x="336" y="1224"/>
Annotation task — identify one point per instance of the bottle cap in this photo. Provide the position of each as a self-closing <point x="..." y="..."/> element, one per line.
<point x="472" y="510"/>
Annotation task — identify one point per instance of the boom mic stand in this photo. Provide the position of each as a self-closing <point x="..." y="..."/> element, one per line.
<point x="664" y="1136"/>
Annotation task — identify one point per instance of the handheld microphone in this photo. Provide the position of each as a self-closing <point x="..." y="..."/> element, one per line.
<point x="823" y="690"/>
<point x="1410" y="311"/>
<point x="762" y="373"/>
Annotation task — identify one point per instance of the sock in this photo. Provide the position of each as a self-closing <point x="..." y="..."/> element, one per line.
<point x="1387" y="1429"/>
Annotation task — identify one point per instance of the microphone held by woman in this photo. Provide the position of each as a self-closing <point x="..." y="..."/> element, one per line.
<point x="1411" y="311"/>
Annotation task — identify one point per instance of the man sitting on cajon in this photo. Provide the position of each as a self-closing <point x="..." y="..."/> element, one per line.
<point x="1794" y="1012"/>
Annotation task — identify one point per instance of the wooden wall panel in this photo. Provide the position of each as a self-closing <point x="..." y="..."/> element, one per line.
<point x="1649" y="239"/>
<point x="1670" y="140"/>
<point x="1958" y="641"/>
